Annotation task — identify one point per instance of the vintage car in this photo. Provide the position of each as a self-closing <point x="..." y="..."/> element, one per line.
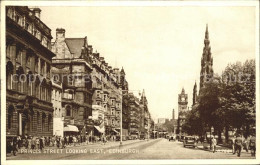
<point x="189" y="141"/>
<point x="172" y="138"/>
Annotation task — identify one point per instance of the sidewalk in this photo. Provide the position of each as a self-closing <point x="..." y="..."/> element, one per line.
<point x="219" y="148"/>
<point x="97" y="144"/>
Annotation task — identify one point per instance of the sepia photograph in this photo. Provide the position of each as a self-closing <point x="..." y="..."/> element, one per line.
<point x="104" y="82"/>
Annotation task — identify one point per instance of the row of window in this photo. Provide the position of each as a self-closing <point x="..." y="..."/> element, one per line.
<point x="21" y="54"/>
<point x="41" y="121"/>
<point x="23" y="22"/>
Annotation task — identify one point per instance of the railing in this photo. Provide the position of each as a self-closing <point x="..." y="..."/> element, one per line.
<point x="31" y="27"/>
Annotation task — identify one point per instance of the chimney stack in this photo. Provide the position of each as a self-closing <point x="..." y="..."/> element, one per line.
<point x="37" y="12"/>
<point x="60" y="34"/>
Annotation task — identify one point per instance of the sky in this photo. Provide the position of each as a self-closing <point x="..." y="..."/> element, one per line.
<point x="160" y="48"/>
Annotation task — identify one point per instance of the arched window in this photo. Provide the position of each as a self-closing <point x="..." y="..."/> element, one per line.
<point x="19" y="56"/>
<point x="60" y="113"/>
<point x="21" y="79"/>
<point x="43" y="121"/>
<point x="112" y="121"/>
<point x="10" y="116"/>
<point x="38" y="118"/>
<point x="49" y="122"/>
<point x="56" y="112"/>
<point x="9" y="73"/>
<point x="68" y="111"/>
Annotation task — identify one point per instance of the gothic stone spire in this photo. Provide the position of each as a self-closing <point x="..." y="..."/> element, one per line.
<point x="206" y="61"/>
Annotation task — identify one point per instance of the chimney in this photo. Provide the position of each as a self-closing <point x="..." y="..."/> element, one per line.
<point x="60" y="34"/>
<point x="86" y="42"/>
<point x="37" y="12"/>
<point x="90" y="49"/>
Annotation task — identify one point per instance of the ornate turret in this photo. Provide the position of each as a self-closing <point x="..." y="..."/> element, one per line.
<point x="206" y="72"/>
<point x="194" y="94"/>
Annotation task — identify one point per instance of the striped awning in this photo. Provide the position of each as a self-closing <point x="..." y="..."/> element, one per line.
<point x="101" y="130"/>
<point x="71" y="128"/>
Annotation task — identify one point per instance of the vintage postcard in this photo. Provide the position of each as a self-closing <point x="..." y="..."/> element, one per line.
<point x="140" y="82"/>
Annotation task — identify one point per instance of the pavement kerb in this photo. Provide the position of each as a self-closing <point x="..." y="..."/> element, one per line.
<point x="97" y="144"/>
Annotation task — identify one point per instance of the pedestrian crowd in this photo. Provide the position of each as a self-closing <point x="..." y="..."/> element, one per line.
<point x="39" y="142"/>
<point x="248" y="144"/>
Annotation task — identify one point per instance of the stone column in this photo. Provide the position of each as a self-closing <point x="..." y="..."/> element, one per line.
<point x="13" y="60"/>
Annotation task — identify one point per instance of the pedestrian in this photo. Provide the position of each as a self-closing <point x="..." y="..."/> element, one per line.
<point x="234" y="145"/>
<point x="246" y="144"/>
<point x="33" y="143"/>
<point x="252" y="145"/>
<point x="74" y="140"/>
<point x="62" y="142"/>
<point x="214" y="144"/>
<point x="14" y="145"/>
<point x="65" y="141"/>
<point x="29" y="142"/>
<point x="19" y="141"/>
<point x="41" y="143"/>
<point x="239" y="146"/>
<point x="70" y="139"/>
<point x="58" y="142"/>
<point x="37" y="143"/>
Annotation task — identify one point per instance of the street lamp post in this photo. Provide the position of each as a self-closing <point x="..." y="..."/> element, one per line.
<point x="121" y="118"/>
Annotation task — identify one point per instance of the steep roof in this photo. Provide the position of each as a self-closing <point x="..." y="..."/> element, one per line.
<point x="75" y="45"/>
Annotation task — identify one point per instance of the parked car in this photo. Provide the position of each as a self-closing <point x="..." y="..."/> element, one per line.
<point x="189" y="141"/>
<point x="171" y="138"/>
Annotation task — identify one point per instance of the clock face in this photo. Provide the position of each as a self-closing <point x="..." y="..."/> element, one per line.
<point x="182" y="99"/>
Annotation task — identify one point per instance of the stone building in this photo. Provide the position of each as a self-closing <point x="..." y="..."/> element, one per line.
<point x="29" y="108"/>
<point x="58" y="122"/>
<point x="206" y="73"/>
<point x="182" y="109"/>
<point x="72" y="66"/>
<point x="107" y="94"/>
<point x="145" y="118"/>
<point x="132" y="109"/>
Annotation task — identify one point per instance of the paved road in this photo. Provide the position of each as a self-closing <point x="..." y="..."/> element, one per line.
<point x="152" y="149"/>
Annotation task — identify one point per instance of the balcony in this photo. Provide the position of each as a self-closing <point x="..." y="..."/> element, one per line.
<point x="31" y="24"/>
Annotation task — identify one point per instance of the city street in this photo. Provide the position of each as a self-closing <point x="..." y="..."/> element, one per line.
<point x="134" y="149"/>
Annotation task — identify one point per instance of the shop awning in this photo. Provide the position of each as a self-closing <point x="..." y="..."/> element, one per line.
<point x="101" y="130"/>
<point x="115" y="131"/>
<point x="71" y="128"/>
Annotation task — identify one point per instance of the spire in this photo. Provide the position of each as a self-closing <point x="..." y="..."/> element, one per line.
<point x="143" y="94"/>
<point x="195" y="85"/>
<point x="207" y="32"/>
<point x="206" y="60"/>
<point x="206" y="40"/>
<point x="122" y="71"/>
<point x="182" y="91"/>
<point x="194" y="94"/>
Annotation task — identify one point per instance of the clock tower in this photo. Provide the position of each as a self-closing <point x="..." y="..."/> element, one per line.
<point x="182" y="109"/>
<point x="183" y="101"/>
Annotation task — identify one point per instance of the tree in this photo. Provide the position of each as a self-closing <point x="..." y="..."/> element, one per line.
<point x="193" y="124"/>
<point x="209" y="103"/>
<point x="238" y="97"/>
<point x="169" y="125"/>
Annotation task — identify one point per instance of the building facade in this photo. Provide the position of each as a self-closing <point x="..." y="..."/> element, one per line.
<point x="58" y="111"/>
<point x="107" y="94"/>
<point x="182" y="109"/>
<point x="72" y="66"/>
<point x="28" y="65"/>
